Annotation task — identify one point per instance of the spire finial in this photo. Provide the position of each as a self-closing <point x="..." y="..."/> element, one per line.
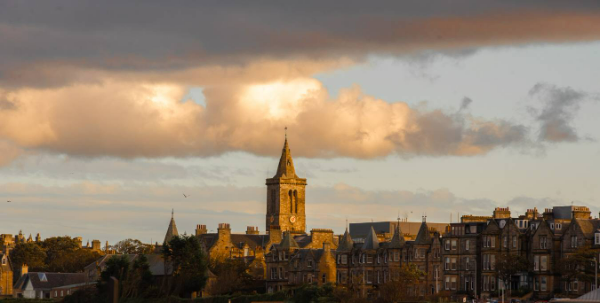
<point x="286" y="132"/>
<point x="172" y="213"/>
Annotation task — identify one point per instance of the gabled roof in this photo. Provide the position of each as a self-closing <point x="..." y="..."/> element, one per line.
<point x="285" y="169"/>
<point x="372" y="242"/>
<point x="423" y="237"/>
<point x="346" y="242"/>
<point x="48" y="280"/>
<point x="155" y="262"/>
<point x="398" y="239"/>
<point x="588" y="227"/>
<point x="288" y="242"/>
<point x="172" y="231"/>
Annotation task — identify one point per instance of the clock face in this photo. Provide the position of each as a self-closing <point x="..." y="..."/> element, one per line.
<point x="293" y="219"/>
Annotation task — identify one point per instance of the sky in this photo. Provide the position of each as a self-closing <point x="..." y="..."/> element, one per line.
<point x="110" y="113"/>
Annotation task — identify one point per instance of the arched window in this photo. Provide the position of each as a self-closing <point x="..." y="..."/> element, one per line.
<point x="296" y="201"/>
<point x="291" y="201"/>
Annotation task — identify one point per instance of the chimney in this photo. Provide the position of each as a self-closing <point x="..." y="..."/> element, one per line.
<point x="224" y="232"/>
<point x="501" y="213"/>
<point x="24" y="269"/>
<point x="275" y="234"/>
<point x="96" y="245"/>
<point x="201" y="230"/>
<point x="252" y="230"/>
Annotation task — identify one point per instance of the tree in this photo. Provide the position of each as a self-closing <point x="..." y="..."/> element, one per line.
<point x="577" y="266"/>
<point x="132" y="246"/>
<point x="28" y="253"/>
<point x="402" y="278"/>
<point x="232" y="275"/>
<point x="184" y="255"/>
<point x="508" y="265"/>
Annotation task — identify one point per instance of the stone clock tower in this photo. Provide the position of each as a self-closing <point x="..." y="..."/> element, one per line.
<point x="285" y="196"/>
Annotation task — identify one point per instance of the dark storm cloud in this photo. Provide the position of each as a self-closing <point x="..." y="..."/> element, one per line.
<point x="151" y="35"/>
<point x="559" y="107"/>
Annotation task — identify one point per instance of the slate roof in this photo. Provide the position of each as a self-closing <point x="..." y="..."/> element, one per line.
<point x="593" y="295"/>
<point x="156" y="263"/>
<point x="423" y="237"/>
<point x="346" y="242"/>
<point x="288" y="242"/>
<point x="172" y="231"/>
<point x="397" y="240"/>
<point x="285" y="169"/>
<point x="253" y="241"/>
<point x="588" y="227"/>
<point x="372" y="242"/>
<point x="49" y="280"/>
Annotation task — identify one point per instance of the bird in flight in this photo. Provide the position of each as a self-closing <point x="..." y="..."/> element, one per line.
<point x="8" y="201"/>
<point x="185" y="196"/>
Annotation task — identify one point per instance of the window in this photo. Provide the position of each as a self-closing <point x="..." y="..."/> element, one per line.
<point x="467" y="283"/>
<point x="467" y="244"/>
<point x="453" y="244"/>
<point x="453" y="263"/>
<point x="492" y="262"/>
<point x="447" y="283"/>
<point x="310" y="264"/>
<point x="273" y="273"/>
<point x="514" y="241"/>
<point x="369" y="277"/>
<point x="536" y="263"/>
<point x="505" y="241"/>
<point x="344" y="259"/>
<point x="558" y="226"/>
<point x="61" y="293"/>
<point x="447" y="264"/>
<point x="543" y="284"/>
<point x="453" y="283"/>
<point x="247" y="252"/>
<point x="552" y="226"/>
<point x="447" y="245"/>
<point x="536" y="285"/>
<point x="396" y="256"/>
<point x="467" y="263"/>
<point x="544" y="263"/>
<point x="597" y="238"/>
<point x="493" y="244"/>
<point x="280" y="273"/>
<point x="324" y="278"/>
<point x="369" y="258"/>
<point x="573" y="241"/>
<point x="543" y="242"/>
<point x="492" y="283"/>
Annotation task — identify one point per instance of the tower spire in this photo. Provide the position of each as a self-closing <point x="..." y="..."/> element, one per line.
<point x="286" y="169"/>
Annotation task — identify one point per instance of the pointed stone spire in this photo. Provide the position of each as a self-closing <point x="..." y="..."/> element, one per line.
<point x="286" y="164"/>
<point x="372" y="242"/>
<point x="398" y="239"/>
<point x="346" y="243"/>
<point x="288" y="242"/>
<point x="423" y="237"/>
<point x="172" y="231"/>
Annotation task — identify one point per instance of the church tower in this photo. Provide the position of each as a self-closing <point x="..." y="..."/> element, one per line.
<point x="285" y="196"/>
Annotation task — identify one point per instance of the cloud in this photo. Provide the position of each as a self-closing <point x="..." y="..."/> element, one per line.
<point x="48" y="43"/>
<point x="129" y="119"/>
<point x="102" y="210"/>
<point x="559" y="107"/>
